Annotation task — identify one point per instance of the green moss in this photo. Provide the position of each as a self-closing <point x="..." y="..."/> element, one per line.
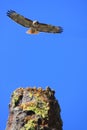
<point x="42" y="109"/>
<point x="30" y="125"/>
<point x="15" y="99"/>
<point x="30" y="95"/>
<point x="39" y="107"/>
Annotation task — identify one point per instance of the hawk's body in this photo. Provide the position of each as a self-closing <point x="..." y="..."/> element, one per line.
<point x="34" y="26"/>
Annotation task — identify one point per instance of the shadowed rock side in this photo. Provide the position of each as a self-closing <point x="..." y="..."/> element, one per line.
<point x="34" y="109"/>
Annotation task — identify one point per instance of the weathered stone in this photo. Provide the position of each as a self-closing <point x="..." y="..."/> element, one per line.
<point x="34" y="109"/>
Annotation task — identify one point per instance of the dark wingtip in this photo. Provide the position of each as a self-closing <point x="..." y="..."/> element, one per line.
<point x="60" y="29"/>
<point x="9" y="12"/>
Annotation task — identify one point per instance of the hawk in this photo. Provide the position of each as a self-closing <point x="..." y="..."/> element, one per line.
<point x="35" y="26"/>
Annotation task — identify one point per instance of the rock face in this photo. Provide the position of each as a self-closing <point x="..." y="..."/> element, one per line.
<point x="34" y="109"/>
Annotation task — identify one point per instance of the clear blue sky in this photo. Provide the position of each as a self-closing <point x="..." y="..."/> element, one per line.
<point x="57" y="60"/>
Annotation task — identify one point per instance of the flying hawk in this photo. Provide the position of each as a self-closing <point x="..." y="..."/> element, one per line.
<point x="35" y="26"/>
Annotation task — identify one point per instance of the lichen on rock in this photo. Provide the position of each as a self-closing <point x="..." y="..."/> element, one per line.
<point x="34" y="109"/>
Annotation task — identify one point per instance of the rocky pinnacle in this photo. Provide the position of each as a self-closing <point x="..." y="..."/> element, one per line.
<point x="34" y="109"/>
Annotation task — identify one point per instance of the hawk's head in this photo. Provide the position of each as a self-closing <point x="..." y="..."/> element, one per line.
<point x="35" y="23"/>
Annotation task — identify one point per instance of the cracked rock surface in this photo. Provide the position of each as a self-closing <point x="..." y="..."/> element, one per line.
<point x="34" y="109"/>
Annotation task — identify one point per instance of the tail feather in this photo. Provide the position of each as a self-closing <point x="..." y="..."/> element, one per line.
<point x="32" y="31"/>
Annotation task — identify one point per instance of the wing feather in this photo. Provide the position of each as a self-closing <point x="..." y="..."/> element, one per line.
<point x="19" y="18"/>
<point x="49" y="28"/>
<point x="34" y="25"/>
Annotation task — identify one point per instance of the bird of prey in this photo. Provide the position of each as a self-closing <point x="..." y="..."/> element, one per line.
<point x="35" y="26"/>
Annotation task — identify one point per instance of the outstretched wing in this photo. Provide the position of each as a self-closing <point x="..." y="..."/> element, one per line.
<point x="49" y="28"/>
<point x="19" y="18"/>
<point x="34" y="26"/>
